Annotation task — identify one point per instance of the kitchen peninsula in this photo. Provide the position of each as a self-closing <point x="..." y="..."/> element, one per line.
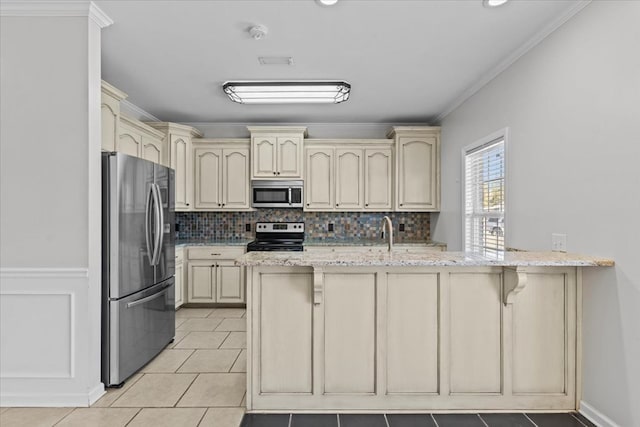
<point x="373" y="331"/>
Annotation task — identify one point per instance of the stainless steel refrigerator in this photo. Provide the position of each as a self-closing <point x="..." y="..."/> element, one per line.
<point x="138" y="264"/>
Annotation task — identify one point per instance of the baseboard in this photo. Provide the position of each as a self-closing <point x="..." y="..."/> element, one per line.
<point x="595" y="416"/>
<point x="49" y="399"/>
<point x="96" y="393"/>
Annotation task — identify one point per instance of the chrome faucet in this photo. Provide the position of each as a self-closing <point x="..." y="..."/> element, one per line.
<point x="386" y="223"/>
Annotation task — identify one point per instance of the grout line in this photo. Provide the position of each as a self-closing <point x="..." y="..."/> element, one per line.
<point x="132" y="418"/>
<point x="193" y="351"/>
<point x="483" y="421"/>
<point x="234" y="362"/>
<point x="386" y="420"/>
<point x="434" y="420"/>
<point x="536" y="425"/>
<point x="65" y="416"/>
<point x="185" y="390"/>
<point x="579" y="420"/>
<point x="204" y="414"/>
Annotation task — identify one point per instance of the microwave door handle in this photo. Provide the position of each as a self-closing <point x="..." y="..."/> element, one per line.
<point x="147" y="225"/>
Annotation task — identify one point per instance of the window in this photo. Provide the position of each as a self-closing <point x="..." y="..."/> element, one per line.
<point x="484" y="195"/>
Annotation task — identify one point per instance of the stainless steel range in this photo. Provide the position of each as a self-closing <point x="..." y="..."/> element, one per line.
<point x="278" y="236"/>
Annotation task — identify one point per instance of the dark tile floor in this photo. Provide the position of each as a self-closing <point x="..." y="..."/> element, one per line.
<point x="416" y="420"/>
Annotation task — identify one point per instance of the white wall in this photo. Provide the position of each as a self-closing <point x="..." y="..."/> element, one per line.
<point x="50" y="206"/>
<point x="572" y="105"/>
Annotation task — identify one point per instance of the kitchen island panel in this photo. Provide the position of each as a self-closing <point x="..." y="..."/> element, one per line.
<point x="349" y="333"/>
<point x="412" y="333"/>
<point x="475" y="332"/>
<point x="285" y="340"/>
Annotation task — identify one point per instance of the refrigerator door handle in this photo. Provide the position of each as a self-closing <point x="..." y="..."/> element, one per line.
<point x="147" y="225"/>
<point x="147" y="299"/>
<point x="159" y="224"/>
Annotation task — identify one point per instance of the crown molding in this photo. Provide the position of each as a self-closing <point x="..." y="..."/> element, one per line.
<point x="83" y="8"/>
<point x="134" y="110"/>
<point x="512" y="58"/>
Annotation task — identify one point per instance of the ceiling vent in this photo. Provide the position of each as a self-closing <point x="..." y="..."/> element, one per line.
<point x="275" y="60"/>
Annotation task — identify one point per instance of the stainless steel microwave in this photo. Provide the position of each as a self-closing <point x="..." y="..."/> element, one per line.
<point x="276" y="194"/>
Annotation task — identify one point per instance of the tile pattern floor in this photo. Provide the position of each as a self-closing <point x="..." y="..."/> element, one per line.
<point x="199" y="380"/>
<point x="416" y="420"/>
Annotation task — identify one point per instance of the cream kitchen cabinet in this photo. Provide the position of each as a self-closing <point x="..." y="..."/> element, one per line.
<point x="212" y="275"/>
<point x="341" y="177"/>
<point x="140" y="140"/>
<point x="110" y="115"/>
<point x="417" y="168"/>
<point x="319" y="182"/>
<point x="276" y="152"/>
<point x="178" y="138"/>
<point x="221" y="175"/>
<point x="179" y="277"/>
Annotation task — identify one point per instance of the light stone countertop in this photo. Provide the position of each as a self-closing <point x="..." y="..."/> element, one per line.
<point x="370" y="242"/>
<point x="403" y="259"/>
<point x="212" y="242"/>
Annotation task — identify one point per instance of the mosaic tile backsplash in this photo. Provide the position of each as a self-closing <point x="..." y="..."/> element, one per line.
<point x="346" y="225"/>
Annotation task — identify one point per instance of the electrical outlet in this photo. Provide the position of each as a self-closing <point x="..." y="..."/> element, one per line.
<point x="330" y="226"/>
<point x="401" y="227"/>
<point x="559" y="242"/>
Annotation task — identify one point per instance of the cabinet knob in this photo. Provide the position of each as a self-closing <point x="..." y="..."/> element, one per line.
<point x="307" y="204"/>
<point x="366" y="204"/>
<point x="337" y="204"/>
<point x="220" y="204"/>
<point x="213" y="265"/>
<point x="187" y="204"/>
<point x="274" y="173"/>
<point x="278" y="173"/>
<point x="400" y="204"/>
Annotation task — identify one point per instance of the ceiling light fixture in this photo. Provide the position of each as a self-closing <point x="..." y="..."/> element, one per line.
<point x="288" y="92"/>
<point x="493" y="3"/>
<point x="327" y="2"/>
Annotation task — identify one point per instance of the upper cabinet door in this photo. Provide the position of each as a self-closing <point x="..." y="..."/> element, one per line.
<point x="289" y="155"/>
<point x="417" y="186"/>
<point x="378" y="172"/>
<point x="110" y="118"/>
<point x="130" y="141"/>
<point x="235" y="179"/>
<point x="264" y="156"/>
<point x="152" y="149"/>
<point x="319" y="180"/>
<point x="208" y="172"/>
<point x="180" y="161"/>
<point x="349" y="179"/>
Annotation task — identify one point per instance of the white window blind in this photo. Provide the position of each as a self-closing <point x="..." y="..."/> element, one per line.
<point x="484" y="176"/>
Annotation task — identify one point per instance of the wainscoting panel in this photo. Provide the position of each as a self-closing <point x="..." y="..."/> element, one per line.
<point x="45" y="337"/>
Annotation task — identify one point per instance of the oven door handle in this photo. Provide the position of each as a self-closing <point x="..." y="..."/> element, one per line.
<point x="290" y="198"/>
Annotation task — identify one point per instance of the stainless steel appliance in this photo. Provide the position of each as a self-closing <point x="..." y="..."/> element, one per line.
<point x="278" y="236"/>
<point x="276" y="194"/>
<point x="138" y="264"/>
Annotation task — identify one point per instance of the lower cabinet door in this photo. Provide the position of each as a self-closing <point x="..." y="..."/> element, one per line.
<point x="230" y="281"/>
<point x="201" y="281"/>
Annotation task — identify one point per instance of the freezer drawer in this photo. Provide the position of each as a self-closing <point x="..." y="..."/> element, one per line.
<point x="139" y="327"/>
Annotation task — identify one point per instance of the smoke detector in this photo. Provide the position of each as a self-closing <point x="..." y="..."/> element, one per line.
<point x="258" y="31"/>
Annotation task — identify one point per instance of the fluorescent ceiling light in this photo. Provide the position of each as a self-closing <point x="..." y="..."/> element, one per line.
<point x="288" y="92"/>
<point x="494" y="3"/>
<point x="327" y="2"/>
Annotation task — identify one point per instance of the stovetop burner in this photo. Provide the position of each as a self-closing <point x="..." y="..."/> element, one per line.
<point x="278" y="236"/>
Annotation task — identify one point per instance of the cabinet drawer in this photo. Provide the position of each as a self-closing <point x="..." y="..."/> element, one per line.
<point x="216" y="252"/>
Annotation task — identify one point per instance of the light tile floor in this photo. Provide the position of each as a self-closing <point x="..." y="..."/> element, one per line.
<point x="198" y="380"/>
